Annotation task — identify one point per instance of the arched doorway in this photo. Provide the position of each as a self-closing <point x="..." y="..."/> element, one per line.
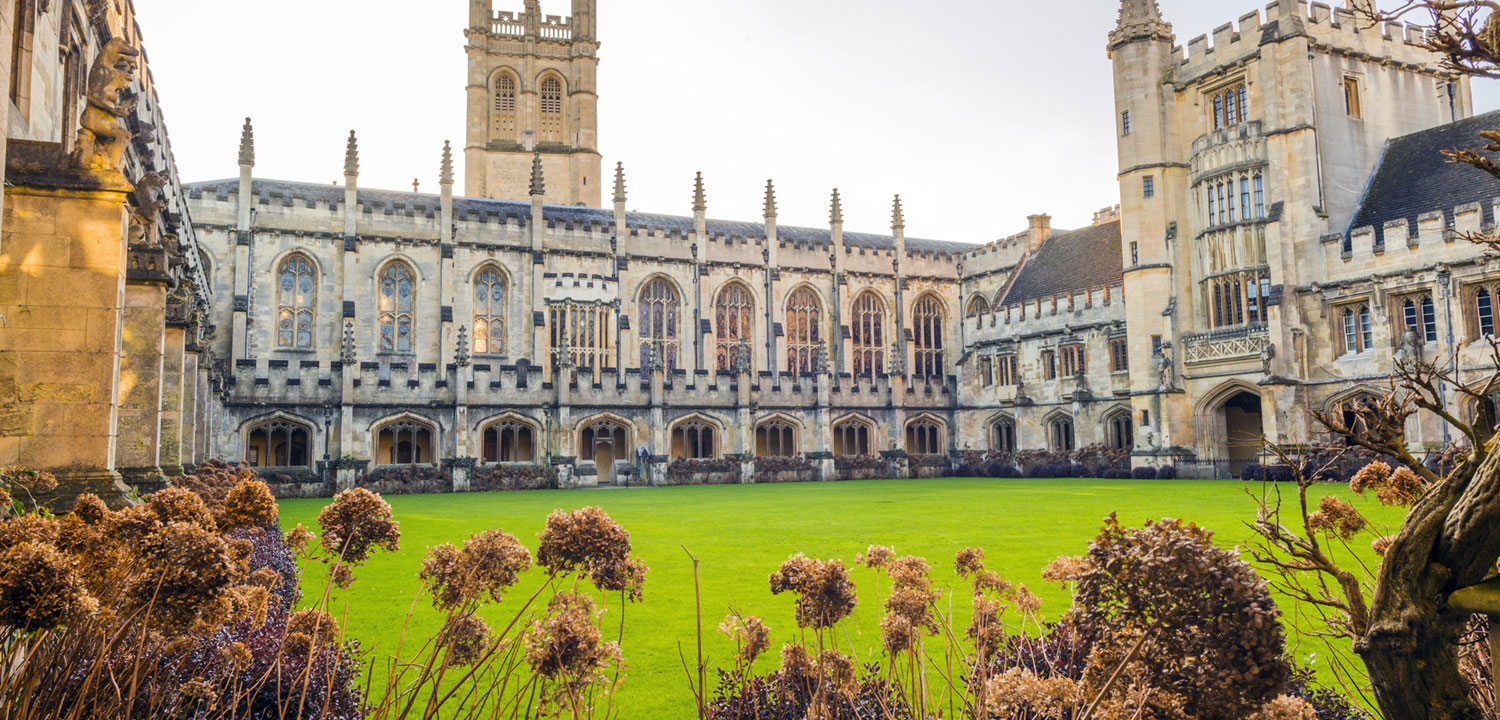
<point x="604" y="442"/>
<point x="1244" y="428"/>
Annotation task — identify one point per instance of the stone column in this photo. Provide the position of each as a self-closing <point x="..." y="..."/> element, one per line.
<point x="143" y="346"/>
<point x="190" y="415"/>
<point x="62" y="282"/>
<point x="170" y="455"/>
<point x="203" y="445"/>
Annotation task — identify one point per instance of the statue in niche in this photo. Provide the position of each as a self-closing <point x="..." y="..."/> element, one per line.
<point x="102" y="139"/>
<point x="1164" y="370"/>
<point x="1267" y="355"/>
<point x="1410" y="350"/>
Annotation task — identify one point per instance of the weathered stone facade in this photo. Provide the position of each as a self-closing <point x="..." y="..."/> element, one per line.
<point x="104" y="375"/>
<point x="395" y="327"/>
<point x="330" y="335"/>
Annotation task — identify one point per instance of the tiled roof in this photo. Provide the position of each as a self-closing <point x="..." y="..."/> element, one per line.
<point x="1414" y="178"/>
<point x="379" y="201"/>
<point x="1074" y="262"/>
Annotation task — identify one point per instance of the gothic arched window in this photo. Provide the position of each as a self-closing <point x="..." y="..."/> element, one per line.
<point x="504" y="125"/>
<point x="775" y="438"/>
<point x="927" y="334"/>
<point x="694" y="440"/>
<point x="803" y="335"/>
<point x="509" y="441"/>
<point x="924" y="436"/>
<point x="296" y="301"/>
<point x="1003" y="435"/>
<point x="604" y="440"/>
<point x="867" y="331"/>
<point x="1484" y="312"/>
<point x="552" y="110"/>
<point x="659" y="310"/>
<point x="1121" y="431"/>
<point x="278" y="443"/>
<point x="732" y="323"/>
<point x="978" y="306"/>
<point x="852" y="438"/>
<point x="489" y="312"/>
<point x="405" y="442"/>
<point x="397" y="300"/>
<point x="1061" y="431"/>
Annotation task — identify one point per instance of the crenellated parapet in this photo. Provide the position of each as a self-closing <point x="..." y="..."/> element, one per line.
<point x="1329" y="29"/>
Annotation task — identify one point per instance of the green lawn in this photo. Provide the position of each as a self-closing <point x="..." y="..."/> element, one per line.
<point x="742" y="532"/>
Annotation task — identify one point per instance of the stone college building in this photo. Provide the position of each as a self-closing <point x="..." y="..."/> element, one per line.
<point x="1287" y="230"/>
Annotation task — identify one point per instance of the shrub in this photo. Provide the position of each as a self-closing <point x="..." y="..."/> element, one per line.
<point x="791" y="693"/>
<point x="1255" y="472"/>
<point x="496" y="478"/>
<point x="860" y="462"/>
<point x="687" y="471"/>
<point x="408" y="480"/>
<point x="1143" y="473"/>
<point x="1166" y="472"/>
<point x="1210" y="632"/>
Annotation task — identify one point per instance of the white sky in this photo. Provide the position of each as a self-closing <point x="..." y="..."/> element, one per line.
<point x="978" y="112"/>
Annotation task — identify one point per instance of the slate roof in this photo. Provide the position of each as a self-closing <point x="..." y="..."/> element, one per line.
<point x="1413" y="178"/>
<point x="1072" y="262"/>
<point x="383" y="201"/>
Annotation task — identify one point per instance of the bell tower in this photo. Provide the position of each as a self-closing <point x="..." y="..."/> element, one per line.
<point x="533" y="90"/>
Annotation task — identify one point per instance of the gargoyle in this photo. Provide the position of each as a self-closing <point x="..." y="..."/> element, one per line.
<point x="146" y="207"/>
<point x="109" y="100"/>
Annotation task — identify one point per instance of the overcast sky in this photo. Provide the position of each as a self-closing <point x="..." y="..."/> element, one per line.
<point x="978" y="112"/>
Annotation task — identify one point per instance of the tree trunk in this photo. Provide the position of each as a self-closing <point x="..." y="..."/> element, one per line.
<point x="1450" y="540"/>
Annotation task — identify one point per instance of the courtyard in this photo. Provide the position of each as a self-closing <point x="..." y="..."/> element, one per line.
<point x="740" y="533"/>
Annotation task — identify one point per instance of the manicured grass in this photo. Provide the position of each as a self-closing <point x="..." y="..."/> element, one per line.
<point x="742" y="533"/>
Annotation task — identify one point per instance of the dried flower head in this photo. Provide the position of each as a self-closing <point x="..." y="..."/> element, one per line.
<point x="588" y="540"/>
<point x="1063" y="570"/>
<point x="1404" y="488"/>
<point x="251" y="602"/>
<point x="489" y="563"/>
<point x="749" y="634"/>
<point x="794" y="661"/>
<point x="26" y="480"/>
<point x="236" y="655"/>
<point x="875" y="557"/>
<point x="28" y="528"/>
<point x="298" y="645"/>
<point x="991" y="581"/>
<point x="1018" y="693"/>
<point x="186" y="570"/>
<point x="467" y="638"/>
<point x="838" y="669"/>
<point x="316" y="624"/>
<point x="1370" y="477"/>
<point x="356" y="524"/>
<point x="969" y="562"/>
<point x="898" y="634"/>
<point x="39" y="589"/>
<point x="1286" y="708"/>
<point x="985" y="627"/>
<point x="825" y="594"/>
<point x="91" y="510"/>
<point x="298" y="537"/>
<point x="1026" y="601"/>
<point x="566" y="643"/>
<point x="1337" y="518"/>
<point x="174" y="505"/>
<point x="249" y="505"/>
<point x="1382" y="544"/>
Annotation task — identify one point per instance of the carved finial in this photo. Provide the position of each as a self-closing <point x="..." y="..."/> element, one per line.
<point x="538" y="182"/>
<point x="700" y="200"/>
<point x="347" y="351"/>
<point x="461" y="355"/>
<point x="770" y="199"/>
<point x="836" y="214"/>
<point x="1139" y="20"/>
<point x="898" y="219"/>
<point x="619" y="183"/>
<point x="351" y="156"/>
<point x="247" y="144"/>
<point x="445" y="174"/>
<point x="416" y="185"/>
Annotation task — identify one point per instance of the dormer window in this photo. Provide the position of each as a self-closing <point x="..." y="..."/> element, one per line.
<point x="1231" y="106"/>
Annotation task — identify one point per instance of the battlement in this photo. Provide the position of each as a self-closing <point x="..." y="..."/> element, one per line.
<point x="1334" y="29"/>
<point x="1431" y="236"/>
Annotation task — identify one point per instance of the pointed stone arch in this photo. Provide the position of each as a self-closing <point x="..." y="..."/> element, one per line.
<point x="695" y="436"/>
<point x="926" y="434"/>
<point x="1062" y="431"/>
<point x="405" y="438"/>
<point x="1230" y="425"/>
<point x="779" y="435"/>
<point x="854" y="435"/>
<point x="1118" y="425"/>
<point x="1003" y="432"/>
<point x="278" y="439"/>
<point x="510" y="437"/>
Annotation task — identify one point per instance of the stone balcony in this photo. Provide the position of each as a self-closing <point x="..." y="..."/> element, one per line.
<point x="1228" y="345"/>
